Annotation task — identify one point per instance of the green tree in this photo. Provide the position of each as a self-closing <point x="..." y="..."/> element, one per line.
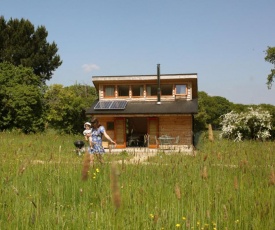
<point x="66" y="106"/>
<point x="210" y="110"/>
<point x="202" y="117"/>
<point x="240" y="107"/>
<point x="220" y="106"/>
<point x="22" y="44"/>
<point x="20" y="99"/>
<point x="270" y="57"/>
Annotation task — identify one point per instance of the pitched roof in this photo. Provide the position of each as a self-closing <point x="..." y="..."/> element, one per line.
<point x="149" y="108"/>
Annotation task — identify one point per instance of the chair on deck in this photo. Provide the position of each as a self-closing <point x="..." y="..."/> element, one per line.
<point x="177" y="140"/>
<point x="146" y="140"/>
<point x="157" y="141"/>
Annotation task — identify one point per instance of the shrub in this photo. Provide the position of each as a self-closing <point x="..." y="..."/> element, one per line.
<point x="253" y="124"/>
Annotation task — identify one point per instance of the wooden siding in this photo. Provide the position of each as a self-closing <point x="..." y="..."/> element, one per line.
<point x="177" y="126"/>
<point x="188" y="96"/>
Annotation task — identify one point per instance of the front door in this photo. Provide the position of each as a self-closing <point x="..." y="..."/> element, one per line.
<point x="120" y="132"/>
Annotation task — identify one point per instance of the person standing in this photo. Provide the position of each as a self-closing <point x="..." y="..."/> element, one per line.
<point x="96" y="148"/>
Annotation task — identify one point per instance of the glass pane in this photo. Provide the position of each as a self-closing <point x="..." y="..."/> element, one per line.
<point x="166" y="89"/>
<point x="152" y="90"/>
<point x="109" y="91"/>
<point x="123" y="90"/>
<point x="137" y="90"/>
<point x="180" y="89"/>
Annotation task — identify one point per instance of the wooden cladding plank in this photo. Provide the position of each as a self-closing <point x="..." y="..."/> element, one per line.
<point x="120" y="132"/>
<point x="177" y="126"/>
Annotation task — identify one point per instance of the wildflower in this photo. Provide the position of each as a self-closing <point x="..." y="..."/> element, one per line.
<point x="177" y="225"/>
<point x="97" y="170"/>
<point x="184" y="218"/>
<point x="237" y="221"/>
<point x="151" y="216"/>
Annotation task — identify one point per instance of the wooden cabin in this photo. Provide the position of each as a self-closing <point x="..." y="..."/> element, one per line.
<point x="138" y="111"/>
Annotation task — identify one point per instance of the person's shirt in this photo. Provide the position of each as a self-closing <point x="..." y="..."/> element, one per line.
<point x="97" y="134"/>
<point x="87" y="131"/>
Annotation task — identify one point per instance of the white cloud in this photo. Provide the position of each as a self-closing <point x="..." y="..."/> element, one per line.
<point x="89" y="67"/>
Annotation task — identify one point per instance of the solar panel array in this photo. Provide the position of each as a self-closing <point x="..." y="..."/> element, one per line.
<point x="119" y="104"/>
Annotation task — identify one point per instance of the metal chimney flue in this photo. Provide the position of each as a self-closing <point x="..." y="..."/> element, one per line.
<point x="158" y="75"/>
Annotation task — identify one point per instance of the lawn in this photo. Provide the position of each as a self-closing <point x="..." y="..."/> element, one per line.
<point x="45" y="185"/>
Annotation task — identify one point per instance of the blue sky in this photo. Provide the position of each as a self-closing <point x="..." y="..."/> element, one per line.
<point x="222" y="41"/>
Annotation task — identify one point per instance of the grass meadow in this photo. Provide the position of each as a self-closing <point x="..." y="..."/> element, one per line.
<point x="45" y="185"/>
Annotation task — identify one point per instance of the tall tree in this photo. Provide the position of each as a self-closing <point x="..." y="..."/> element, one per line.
<point x="20" y="99"/>
<point x="270" y="57"/>
<point x="22" y="44"/>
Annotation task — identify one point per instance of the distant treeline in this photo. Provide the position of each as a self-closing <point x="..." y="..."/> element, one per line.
<point x="212" y="107"/>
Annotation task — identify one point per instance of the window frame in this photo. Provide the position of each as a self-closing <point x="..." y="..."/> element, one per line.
<point x="126" y="85"/>
<point x="110" y="125"/>
<point x="104" y="91"/>
<point x="185" y="85"/>
<point x="151" y="95"/>
<point x="140" y="95"/>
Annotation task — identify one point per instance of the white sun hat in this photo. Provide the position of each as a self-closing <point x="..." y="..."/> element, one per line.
<point x="87" y="123"/>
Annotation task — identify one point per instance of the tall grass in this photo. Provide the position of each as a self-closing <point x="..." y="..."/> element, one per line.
<point x="226" y="185"/>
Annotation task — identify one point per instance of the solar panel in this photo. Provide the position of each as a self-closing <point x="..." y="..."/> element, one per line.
<point x="121" y="104"/>
<point x="118" y="105"/>
<point x="103" y="105"/>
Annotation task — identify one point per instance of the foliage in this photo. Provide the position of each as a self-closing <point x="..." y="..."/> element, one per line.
<point x="22" y="44"/>
<point x="271" y="110"/>
<point x="210" y="110"/>
<point x="65" y="106"/>
<point x="41" y="187"/>
<point x="254" y="124"/>
<point x="270" y="57"/>
<point x="20" y="99"/>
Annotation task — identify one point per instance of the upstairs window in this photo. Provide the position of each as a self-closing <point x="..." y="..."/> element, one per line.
<point x="167" y="90"/>
<point x="181" y="89"/>
<point x="123" y="90"/>
<point x="109" y="91"/>
<point x="137" y="90"/>
<point x="151" y="90"/>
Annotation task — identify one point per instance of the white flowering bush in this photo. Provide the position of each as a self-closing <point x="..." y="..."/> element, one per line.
<point x="253" y="124"/>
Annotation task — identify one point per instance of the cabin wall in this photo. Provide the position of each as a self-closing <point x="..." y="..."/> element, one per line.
<point x="168" y="125"/>
<point x="177" y="126"/>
